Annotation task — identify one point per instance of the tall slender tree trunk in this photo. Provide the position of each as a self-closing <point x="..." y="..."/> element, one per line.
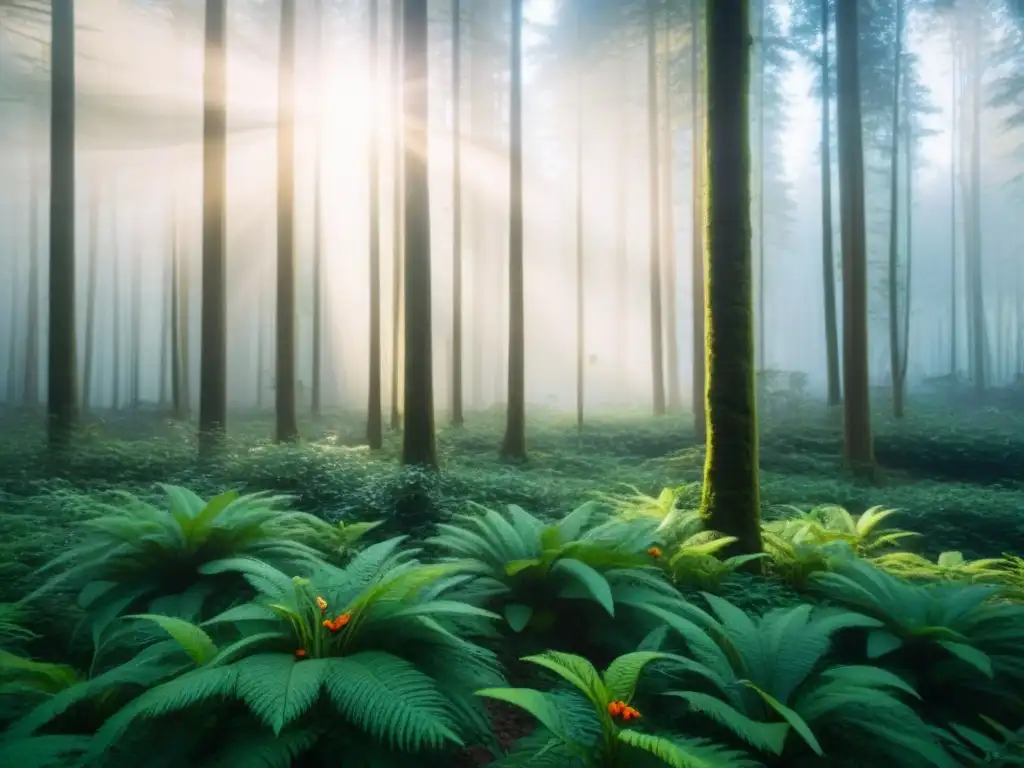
<point x="177" y="352"/>
<point x="654" y="205"/>
<point x="61" y="405"/>
<point x="698" y="160"/>
<point x="286" y="424"/>
<point x="858" y="444"/>
<point x="513" y="445"/>
<point x="115" y="304"/>
<point x="762" y="65"/>
<point x="480" y="93"/>
<point x="894" y="220"/>
<point x="90" y="298"/>
<point x="165" y="331"/>
<point x="316" y="387"/>
<point x="418" y="443"/>
<point x="827" y="258"/>
<point x="669" y="227"/>
<point x="909" y="244"/>
<point x="397" y="215"/>
<point x="953" y="321"/>
<point x="580" y="275"/>
<point x="213" y="395"/>
<point x="30" y="394"/>
<point x="730" y="497"/>
<point x="136" y="325"/>
<point x="12" y="337"/>
<point x="374" y="418"/>
<point x="622" y="316"/>
<point x="457" y="405"/>
<point x="976" y="286"/>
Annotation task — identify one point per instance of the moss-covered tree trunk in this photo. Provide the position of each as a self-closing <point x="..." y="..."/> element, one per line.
<point x="654" y="213"/>
<point x="698" y="160"/>
<point x="286" y="425"/>
<point x="858" y="449"/>
<point x="213" y="392"/>
<point x="730" y="497"/>
<point x="62" y="374"/>
<point x="374" y="416"/>
<point x="418" y="445"/>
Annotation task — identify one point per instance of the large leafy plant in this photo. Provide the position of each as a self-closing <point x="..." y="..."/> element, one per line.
<point x="772" y="683"/>
<point x="371" y="659"/>
<point x="827" y="523"/>
<point x="138" y="556"/>
<point x="593" y="725"/>
<point x="947" y="638"/>
<point x="527" y="569"/>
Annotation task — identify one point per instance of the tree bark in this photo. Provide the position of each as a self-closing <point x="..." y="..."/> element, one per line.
<point x="316" y="386"/>
<point x="858" y="445"/>
<point x="418" y="443"/>
<point x="374" y="418"/>
<point x="674" y="394"/>
<point x="894" y="194"/>
<point x="30" y="393"/>
<point x="827" y="258"/>
<point x="397" y="256"/>
<point x="62" y="374"/>
<point x="697" y="255"/>
<point x="513" y="445"/>
<point x="286" y="424"/>
<point x="213" y="354"/>
<point x="580" y="275"/>
<point x="654" y="213"/>
<point x="730" y="497"/>
<point x="457" y="405"/>
<point x="90" y="298"/>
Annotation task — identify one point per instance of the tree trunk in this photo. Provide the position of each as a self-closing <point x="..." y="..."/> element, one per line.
<point x="316" y="386"/>
<point x="513" y="445"/>
<point x="136" y="324"/>
<point x="62" y="373"/>
<point x="580" y="276"/>
<point x="90" y="298"/>
<point x="286" y="425"/>
<point x="654" y="213"/>
<point x="418" y="444"/>
<point x="909" y="244"/>
<point x="761" y="95"/>
<point x="30" y="393"/>
<point x="165" y="330"/>
<point x="669" y="229"/>
<point x="730" y="497"/>
<point x="374" y="417"/>
<point x="177" y="352"/>
<point x="953" y="322"/>
<point x="213" y="354"/>
<point x="115" y="303"/>
<point x="699" y="163"/>
<point x="827" y="257"/>
<point x="858" y="446"/>
<point x="456" y="415"/>
<point x="894" y="194"/>
<point x="622" y="315"/>
<point x="397" y="257"/>
<point x="976" y="287"/>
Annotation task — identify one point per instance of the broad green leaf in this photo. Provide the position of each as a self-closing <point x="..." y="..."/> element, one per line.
<point x="518" y="616"/>
<point x="193" y="640"/>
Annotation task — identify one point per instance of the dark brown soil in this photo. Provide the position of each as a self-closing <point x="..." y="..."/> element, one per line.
<point x="509" y="724"/>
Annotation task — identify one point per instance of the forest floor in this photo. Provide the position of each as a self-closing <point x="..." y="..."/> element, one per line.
<point x="956" y="479"/>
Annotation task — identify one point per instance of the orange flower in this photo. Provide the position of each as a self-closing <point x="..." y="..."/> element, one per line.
<point x="654" y="552"/>
<point x="321" y="604"/>
<point x="338" y="622"/>
<point x="623" y="710"/>
<point x="300" y="653"/>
